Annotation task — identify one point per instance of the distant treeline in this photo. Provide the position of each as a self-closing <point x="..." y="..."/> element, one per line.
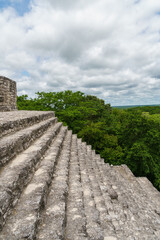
<point x="136" y="106"/>
<point x="121" y="136"/>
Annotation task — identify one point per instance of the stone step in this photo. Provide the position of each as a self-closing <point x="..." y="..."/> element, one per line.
<point x="54" y="215"/>
<point x="15" y="143"/>
<point x="18" y="172"/>
<point x="120" y="218"/>
<point x="141" y="183"/>
<point x="118" y="215"/>
<point x="106" y="197"/>
<point x="96" y="182"/>
<point x="76" y="219"/>
<point x="13" y="121"/>
<point x="125" y="172"/>
<point x="23" y="222"/>
<point x="93" y="226"/>
<point x="140" y="216"/>
<point x="142" y="187"/>
<point x="151" y="192"/>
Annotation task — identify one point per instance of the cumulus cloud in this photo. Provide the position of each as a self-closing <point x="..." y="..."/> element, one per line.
<point x="108" y="48"/>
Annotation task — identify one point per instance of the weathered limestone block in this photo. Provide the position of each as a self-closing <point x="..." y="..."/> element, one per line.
<point x="8" y="94"/>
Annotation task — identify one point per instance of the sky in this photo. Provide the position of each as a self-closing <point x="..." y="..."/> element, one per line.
<point x="107" y="48"/>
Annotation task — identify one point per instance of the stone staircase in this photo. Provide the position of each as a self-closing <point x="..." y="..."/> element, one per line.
<point x="54" y="187"/>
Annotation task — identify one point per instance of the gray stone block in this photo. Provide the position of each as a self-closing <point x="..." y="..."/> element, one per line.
<point x="8" y="94"/>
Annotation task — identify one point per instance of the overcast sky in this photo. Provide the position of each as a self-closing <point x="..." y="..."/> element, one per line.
<point x="107" y="48"/>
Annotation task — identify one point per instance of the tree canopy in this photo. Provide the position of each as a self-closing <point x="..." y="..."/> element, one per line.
<point x="129" y="136"/>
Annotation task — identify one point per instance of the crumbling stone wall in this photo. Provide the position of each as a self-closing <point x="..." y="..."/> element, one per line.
<point x="8" y="94"/>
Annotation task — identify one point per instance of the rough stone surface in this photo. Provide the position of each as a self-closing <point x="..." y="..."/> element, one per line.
<point x="8" y="94"/>
<point x="13" y="121"/>
<point x="55" y="187"/>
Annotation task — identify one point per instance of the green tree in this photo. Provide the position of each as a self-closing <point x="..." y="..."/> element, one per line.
<point x="120" y="136"/>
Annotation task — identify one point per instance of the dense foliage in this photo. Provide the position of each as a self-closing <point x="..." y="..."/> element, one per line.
<point x="129" y="136"/>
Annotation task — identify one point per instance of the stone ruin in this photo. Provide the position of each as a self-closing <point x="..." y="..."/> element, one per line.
<point x="8" y="94"/>
<point x="54" y="186"/>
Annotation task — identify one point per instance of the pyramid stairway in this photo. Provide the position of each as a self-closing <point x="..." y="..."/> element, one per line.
<point x="54" y="187"/>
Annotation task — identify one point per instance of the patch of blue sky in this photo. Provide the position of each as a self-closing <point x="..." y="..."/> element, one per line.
<point x="137" y="1"/>
<point x="145" y="30"/>
<point x="21" y="6"/>
<point x="25" y="73"/>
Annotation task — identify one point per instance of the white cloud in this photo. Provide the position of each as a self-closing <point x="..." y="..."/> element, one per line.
<point x="109" y="48"/>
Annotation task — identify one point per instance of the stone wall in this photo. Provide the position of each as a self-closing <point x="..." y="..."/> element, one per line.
<point x="8" y="94"/>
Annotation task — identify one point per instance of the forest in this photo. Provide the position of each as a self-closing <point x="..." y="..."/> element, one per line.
<point x="121" y="136"/>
